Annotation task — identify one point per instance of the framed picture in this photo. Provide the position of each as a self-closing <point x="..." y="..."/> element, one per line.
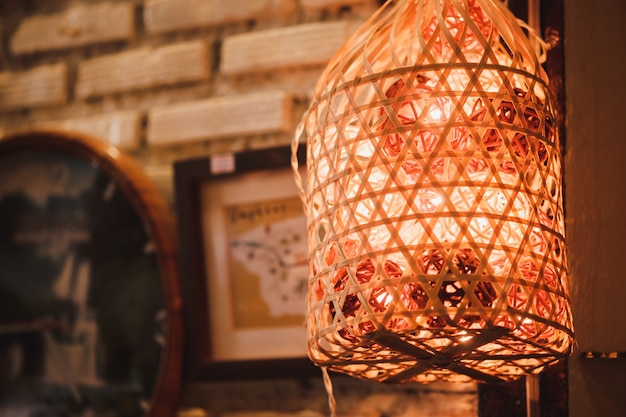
<point x="90" y="316"/>
<point x="242" y="238"/>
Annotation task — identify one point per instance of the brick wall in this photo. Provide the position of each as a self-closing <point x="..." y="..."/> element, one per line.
<point x="170" y="79"/>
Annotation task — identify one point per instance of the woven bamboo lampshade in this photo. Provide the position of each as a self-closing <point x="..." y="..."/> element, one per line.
<point x="434" y="203"/>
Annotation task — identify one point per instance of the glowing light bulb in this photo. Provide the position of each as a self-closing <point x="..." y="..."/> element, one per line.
<point x="384" y="298"/>
<point x="465" y="338"/>
<point x="436" y="114"/>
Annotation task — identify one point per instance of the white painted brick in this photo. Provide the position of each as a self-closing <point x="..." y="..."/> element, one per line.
<point x="120" y="128"/>
<point x="40" y="86"/>
<point x="77" y="26"/>
<point x="322" y="4"/>
<point x="301" y="45"/>
<point x="144" y="68"/>
<point x="162" y="176"/>
<point x="169" y="15"/>
<point x="258" y="113"/>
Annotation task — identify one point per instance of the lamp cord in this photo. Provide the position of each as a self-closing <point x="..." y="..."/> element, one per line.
<point x="329" y="390"/>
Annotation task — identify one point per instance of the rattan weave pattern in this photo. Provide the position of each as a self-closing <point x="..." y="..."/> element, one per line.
<point x="434" y="201"/>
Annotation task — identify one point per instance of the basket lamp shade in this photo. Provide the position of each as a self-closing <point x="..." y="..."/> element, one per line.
<point x="434" y="203"/>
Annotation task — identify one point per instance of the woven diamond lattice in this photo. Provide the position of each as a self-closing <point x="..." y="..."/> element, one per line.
<point x="433" y="196"/>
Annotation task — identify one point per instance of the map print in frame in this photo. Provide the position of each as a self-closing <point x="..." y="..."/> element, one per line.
<point x="268" y="260"/>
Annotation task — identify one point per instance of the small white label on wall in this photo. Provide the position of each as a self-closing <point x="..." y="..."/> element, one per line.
<point x="222" y="164"/>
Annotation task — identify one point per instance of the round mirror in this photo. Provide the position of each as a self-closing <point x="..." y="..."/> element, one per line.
<point x="90" y="319"/>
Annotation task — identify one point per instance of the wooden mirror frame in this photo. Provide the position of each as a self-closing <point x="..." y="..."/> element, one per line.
<point x="158" y="220"/>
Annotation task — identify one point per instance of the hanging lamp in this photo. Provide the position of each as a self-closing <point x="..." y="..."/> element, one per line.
<point x="434" y="203"/>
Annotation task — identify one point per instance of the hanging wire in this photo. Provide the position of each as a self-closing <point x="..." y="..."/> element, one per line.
<point x="332" y="405"/>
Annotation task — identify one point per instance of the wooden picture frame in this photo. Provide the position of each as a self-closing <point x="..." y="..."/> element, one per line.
<point x="91" y="318"/>
<point x="253" y="179"/>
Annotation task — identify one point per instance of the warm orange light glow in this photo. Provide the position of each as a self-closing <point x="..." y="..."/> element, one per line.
<point x="433" y="195"/>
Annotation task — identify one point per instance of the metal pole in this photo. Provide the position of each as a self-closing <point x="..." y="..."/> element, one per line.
<point x="532" y="381"/>
<point x="534" y="15"/>
<point x="532" y="396"/>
